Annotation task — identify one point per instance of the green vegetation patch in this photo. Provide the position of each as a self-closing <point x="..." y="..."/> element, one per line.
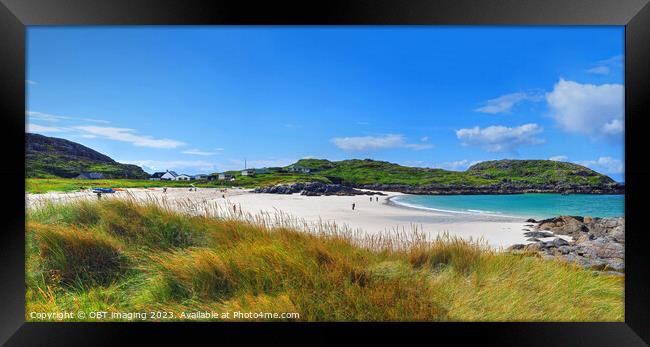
<point x="80" y="258"/>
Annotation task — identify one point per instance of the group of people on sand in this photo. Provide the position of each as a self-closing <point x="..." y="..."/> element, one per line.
<point x="355" y="205"/>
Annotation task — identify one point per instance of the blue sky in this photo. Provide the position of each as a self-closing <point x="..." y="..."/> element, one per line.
<point x="203" y="99"/>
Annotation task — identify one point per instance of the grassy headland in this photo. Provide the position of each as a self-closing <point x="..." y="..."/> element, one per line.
<point x="121" y="256"/>
<point x="368" y="171"/>
<point x="359" y="172"/>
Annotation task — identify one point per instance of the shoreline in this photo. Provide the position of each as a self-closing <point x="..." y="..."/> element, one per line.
<point x="370" y="217"/>
<point x="390" y="202"/>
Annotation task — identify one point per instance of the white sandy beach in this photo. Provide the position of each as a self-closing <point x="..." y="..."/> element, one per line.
<point x="372" y="217"/>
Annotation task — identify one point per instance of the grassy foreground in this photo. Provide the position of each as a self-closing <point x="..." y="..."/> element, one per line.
<point x="119" y="256"/>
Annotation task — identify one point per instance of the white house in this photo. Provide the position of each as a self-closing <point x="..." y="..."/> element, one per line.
<point x="298" y="168"/>
<point x="225" y="176"/>
<point x="248" y="172"/>
<point x="200" y="177"/>
<point x="182" y="177"/>
<point x="167" y="176"/>
<point x="156" y="176"/>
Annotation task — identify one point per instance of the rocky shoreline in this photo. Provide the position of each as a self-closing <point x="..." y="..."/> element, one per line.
<point x="318" y="188"/>
<point x="596" y="243"/>
<point x="314" y="189"/>
<point x="505" y="188"/>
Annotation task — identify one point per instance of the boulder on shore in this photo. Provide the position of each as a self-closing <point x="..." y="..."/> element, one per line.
<point x="597" y="243"/>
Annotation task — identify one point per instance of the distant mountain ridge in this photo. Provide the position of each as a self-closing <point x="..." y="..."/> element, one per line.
<point x="55" y="157"/>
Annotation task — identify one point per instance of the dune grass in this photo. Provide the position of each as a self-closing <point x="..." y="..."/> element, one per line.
<point x="121" y="255"/>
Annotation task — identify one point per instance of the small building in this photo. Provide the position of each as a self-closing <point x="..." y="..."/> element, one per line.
<point x="169" y="176"/>
<point x="200" y="177"/>
<point x="164" y="176"/>
<point x="225" y="176"/>
<point x="182" y="177"/>
<point x="248" y="172"/>
<point x="156" y="176"/>
<point x="298" y="168"/>
<point x="90" y="176"/>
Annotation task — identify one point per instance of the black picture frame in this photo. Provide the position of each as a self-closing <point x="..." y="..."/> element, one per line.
<point x="15" y="15"/>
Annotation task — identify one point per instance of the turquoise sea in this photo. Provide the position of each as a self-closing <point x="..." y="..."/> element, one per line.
<point x="520" y="205"/>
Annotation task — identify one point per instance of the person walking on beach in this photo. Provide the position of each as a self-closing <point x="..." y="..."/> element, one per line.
<point x="99" y="196"/>
<point x="165" y="190"/>
<point x="353" y="206"/>
<point x="371" y="199"/>
<point x="234" y="208"/>
<point x="376" y="198"/>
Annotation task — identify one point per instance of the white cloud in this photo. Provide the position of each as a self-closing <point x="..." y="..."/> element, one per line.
<point x="198" y="152"/>
<point x="599" y="70"/>
<point x="35" y="128"/>
<point x="614" y="127"/>
<point x="607" y="165"/>
<point x="559" y="158"/>
<point x="30" y="82"/>
<point x="95" y="120"/>
<point x="504" y="103"/>
<point x="594" y="110"/>
<point x="499" y="138"/>
<point x="365" y="143"/>
<point x="424" y="139"/>
<point x="58" y="118"/>
<point x="128" y="135"/>
<point x="604" y="67"/>
<point x="45" y="116"/>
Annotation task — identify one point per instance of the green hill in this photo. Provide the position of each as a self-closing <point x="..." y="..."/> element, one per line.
<point x="54" y="157"/>
<point x="515" y="172"/>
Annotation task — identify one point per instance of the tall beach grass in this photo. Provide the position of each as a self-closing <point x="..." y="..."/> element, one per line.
<point x="132" y="255"/>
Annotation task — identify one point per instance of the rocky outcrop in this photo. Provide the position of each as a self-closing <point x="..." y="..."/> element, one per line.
<point x="580" y="227"/>
<point x="596" y="243"/>
<point x="314" y="189"/>
<point x="503" y="188"/>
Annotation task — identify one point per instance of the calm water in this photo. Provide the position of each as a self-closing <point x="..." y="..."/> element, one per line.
<point x="520" y="205"/>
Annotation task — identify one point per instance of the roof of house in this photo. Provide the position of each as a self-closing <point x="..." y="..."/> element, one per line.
<point x="157" y="174"/>
<point x="173" y="173"/>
